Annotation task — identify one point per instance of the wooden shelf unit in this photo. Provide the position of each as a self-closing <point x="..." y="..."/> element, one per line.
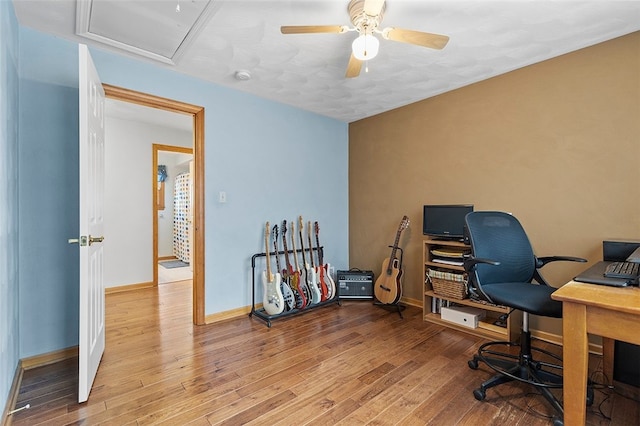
<point x="486" y="328"/>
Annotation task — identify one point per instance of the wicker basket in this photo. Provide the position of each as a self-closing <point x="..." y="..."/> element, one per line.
<point x="455" y="288"/>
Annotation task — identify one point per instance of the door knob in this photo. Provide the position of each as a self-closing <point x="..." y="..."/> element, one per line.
<point x="82" y="240"/>
<point x="95" y="239"/>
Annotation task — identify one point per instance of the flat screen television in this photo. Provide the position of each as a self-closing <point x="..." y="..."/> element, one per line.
<point x="445" y="221"/>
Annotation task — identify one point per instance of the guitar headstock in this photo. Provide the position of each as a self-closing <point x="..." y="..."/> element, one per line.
<point x="404" y="224"/>
<point x="275" y="232"/>
<point x="316" y="227"/>
<point x="267" y="229"/>
<point x="300" y="224"/>
<point x="284" y="229"/>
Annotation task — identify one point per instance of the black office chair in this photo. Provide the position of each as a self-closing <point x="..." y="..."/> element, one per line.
<point x="503" y="270"/>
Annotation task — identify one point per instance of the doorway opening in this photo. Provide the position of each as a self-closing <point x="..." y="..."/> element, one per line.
<point x="197" y="252"/>
<point x="173" y="192"/>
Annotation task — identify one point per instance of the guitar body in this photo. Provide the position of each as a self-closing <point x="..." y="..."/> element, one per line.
<point x="322" y="283"/>
<point x="299" y="294"/>
<point x="304" y="286"/>
<point x="331" y="285"/>
<point x="287" y="295"/>
<point x="272" y="299"/>
<point x="388" y="288"/>
<point x="316" y="296"/>
<point x="327" y="286"/>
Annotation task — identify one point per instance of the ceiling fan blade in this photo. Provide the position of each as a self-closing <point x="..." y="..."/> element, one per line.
<point x="434" y="41"/>
<point x="354" y="67"/>
<point x="373" y="7"/>
<point x="311" y="29"/>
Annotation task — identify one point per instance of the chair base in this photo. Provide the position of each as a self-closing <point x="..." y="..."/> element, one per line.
<point x="524" y="368"/>
<point x="521" y="367"/>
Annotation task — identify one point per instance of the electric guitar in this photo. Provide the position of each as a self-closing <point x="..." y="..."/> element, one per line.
<point x="294" y="275"/>
<point x="324" y="268"/>
<point x="322" y="286"/>
<point x="287" y="294"/>
<point x="302" y="273"/>
<point x="388" y="288"/>
<point x="312" y="280"/>
<point x="272" y="300"/>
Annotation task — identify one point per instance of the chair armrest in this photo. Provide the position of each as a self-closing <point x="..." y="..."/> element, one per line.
<point x="541" y="261"/>
<point x="470" y="262"/>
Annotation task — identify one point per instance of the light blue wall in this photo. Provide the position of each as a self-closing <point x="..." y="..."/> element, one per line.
<point x="274" y="162"/>
<point x="9" y="98"/>
<point x="48" y="182"/>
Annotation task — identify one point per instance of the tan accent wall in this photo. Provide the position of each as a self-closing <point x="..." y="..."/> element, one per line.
<point x="556" y="143"/>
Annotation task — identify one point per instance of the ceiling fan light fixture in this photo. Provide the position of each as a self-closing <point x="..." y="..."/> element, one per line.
<point x="365" y="47"/>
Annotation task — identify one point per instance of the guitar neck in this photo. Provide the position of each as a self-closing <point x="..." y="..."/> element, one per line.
<point x="304" y="257"/>
<point x="320" y="253"/>
<point x="286" y="250"/>
<point x="313" y="264"/>
<point x="275" y="252"/>
<point x="403" y="224"/>
<point x="295" y="255"/>
<point x="266" y="249"/>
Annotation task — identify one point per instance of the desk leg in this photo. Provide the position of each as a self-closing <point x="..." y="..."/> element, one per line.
<point x="608" y="346"/>
<point x="575" y="348"/>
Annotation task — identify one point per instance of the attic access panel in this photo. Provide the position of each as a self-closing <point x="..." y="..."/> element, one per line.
<point x="159" y="30"/>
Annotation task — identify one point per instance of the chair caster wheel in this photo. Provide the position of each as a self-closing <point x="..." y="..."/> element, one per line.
<point x="473" y="364"/>
<point x="590" y="396"/>
<point x="558" y="422"/>
<point x="479" y="394"/>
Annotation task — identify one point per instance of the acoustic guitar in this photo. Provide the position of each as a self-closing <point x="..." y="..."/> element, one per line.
<point x="388" y="288"/>
<point x="272" y="300"/>
<point x="287" y="293"/>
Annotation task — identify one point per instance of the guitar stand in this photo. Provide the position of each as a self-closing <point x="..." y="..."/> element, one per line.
<point x="388" y="306"/>
<point x="398" y="307"/>
<point x="260" y="312"/>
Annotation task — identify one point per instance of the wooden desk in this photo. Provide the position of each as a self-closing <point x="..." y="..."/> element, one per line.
<point x="613" y="313"/>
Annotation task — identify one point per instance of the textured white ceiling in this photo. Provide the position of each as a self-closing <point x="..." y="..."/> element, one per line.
<point x="487" y="38"/>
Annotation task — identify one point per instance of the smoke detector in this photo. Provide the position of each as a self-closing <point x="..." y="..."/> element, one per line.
<point x="243" y="75"/>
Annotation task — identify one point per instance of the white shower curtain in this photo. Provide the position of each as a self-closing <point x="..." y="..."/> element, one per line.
<point x="181" y="214"/>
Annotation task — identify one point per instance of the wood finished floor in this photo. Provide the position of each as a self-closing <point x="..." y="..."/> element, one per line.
<point x="349" y="365"/>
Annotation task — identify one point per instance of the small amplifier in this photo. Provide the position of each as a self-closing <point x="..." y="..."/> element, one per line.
<point x="355" y="284"/>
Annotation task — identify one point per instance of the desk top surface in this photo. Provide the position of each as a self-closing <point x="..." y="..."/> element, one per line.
<point x="625" y="299"/>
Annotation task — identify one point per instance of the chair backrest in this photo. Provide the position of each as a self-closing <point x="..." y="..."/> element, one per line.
<point x="500" y="237"/>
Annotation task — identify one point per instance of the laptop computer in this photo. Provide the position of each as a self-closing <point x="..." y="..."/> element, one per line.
<point x="595" y="275"/>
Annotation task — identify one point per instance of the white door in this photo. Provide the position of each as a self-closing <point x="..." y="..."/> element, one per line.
<point x="91" y="149"/>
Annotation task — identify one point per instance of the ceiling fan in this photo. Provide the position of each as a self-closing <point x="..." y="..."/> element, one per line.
<point x="366" y="16"/>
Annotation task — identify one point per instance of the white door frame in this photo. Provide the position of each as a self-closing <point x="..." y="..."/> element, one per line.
<point x="197" y="112"/>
